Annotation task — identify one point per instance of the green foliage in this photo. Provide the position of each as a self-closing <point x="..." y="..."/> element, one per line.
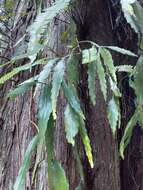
<point x="71" y="124"/>
<point x="56" y="83"/>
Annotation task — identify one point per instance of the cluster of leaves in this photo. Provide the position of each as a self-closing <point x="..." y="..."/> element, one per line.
<point x="61" y="75"/>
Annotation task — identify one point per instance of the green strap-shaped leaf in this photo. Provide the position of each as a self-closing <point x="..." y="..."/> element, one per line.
<point x="121" y="50"/>
<point x="56" y="83"/>
<point x="59" y="181"/>
<point x="72" y="69"/>
<point x="113" y="114"/>
<point x="91" y="81"/>
<point x="72" y="99"/>
<point x="114" y="88"/>
<point x="128" y="133"/>
<point x="71" y="124"/>
<point x="45" y="110"/>
<point x="25" y="164"/>
<point x="22" y="88"/>
<point x="56" y="175"/>
<point x="44" y="74"/>
<point x="108" y="62"/>
<point x="138" y="81"/>
<point x="102" y="77"/>
<point x="86" y="142"/>
<point x="89" y="55"/>
<point x="17" y="70"/>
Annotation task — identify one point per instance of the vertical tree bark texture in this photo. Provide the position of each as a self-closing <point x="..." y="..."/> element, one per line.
<point x="105" y="174"/>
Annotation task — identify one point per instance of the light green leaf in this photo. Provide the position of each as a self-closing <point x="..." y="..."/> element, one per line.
<point x="56" y="83"/>
<point x="89" y="55"/>
<point x="22" y="88"/>
<point x="25" y="164"/>
<point x="108" y="62"/>
<point x="86" y="142"/>
<point x="59" y="181"/>
<point x="121" y="50"/>
<point x="102" y="77"/>
<point x="113" y="114"/>
<point x="128" y="133"/>
<point x="114" y="88"/>
<point x="44" y="74"/>
<point x="71" y="124"/>
<point x="71" y="97"/>
<point x="17" y="70"/>
<point x="91" y="81"/>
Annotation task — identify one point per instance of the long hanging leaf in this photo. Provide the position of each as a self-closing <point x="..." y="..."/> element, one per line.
<point x="89" y="55"/>
<point x="72" y="69"/>
<point x="102" y="77"/>
<point x="59" y="181"/>
<point x="25" y="164"/>
<point x="45" y="110"/>
<point x="56" y="83"/>
<point x="71" y="124"/>
<point x="91" y="81"/>
<point x="121" y="50"/>
<point x="138" y="81"/>
<point x="56" y="175"/>
<point x="113" y="114"/>
<point x="71" y="97"/>
<point x="128" y="133"/>
<point x="114" y="88"/>
<point x="86" y="142"/>
<point x="108" y="62"/>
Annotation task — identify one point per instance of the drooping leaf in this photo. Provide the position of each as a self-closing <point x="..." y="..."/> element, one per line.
<point x="86" y="142"/>
<point x="91" y="81"/>
<point x="72" y="69"/>
<point x="128" y="133"/>
<point x="44" y="110"/>
<point x="56" y="83"/>
<point x="71" y="124"/>
<point x="114" y="88"/>
<point x="113" y="114"/>
<point x="102" y="77"/>
<point x="56" y="175"/>
<point x="71" y="97"/>
<point x="25" y="164"/>
<point x="89" y="55"/>
<point x="59" y="181"/>
<point x="138" y="81"/>
<point x="121" y="50"/>
<point x="108" y="62"/>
